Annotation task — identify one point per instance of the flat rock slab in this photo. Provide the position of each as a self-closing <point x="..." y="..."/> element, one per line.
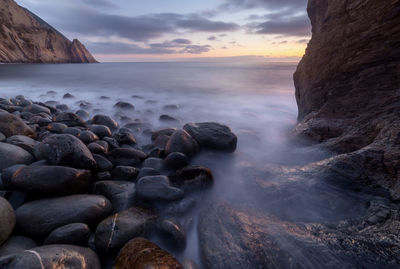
<point x="38" y="218"/>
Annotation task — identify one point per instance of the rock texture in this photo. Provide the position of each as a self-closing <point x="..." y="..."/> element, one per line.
<point x="348" y="85"/>
<point x="25" y="38"/>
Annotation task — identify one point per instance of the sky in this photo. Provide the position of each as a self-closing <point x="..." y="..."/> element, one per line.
<point x="132" y="30"/>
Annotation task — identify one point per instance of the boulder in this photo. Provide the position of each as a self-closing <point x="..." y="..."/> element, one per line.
<point x="83" y="114"/>
<point x="127" y="173"/>
<point x="56" y="127"/>
<point x="125" y="136"/>
<point x="192" y="178"/>
<point x="65" y="149"/>
<point x="141" y="253"/>
<point x="122" y="194"/>
<point x="38" y="218"/>
<point x="70" y="119"/>
<point x="7" y="220"/>
<point x="12" y="125"/>
<point x="22" y="141"/>
<point x="71" y="234"/>
<point x="127" y="157"/>
<point x="103" y="165"/>
<point x="176" y="160"/>
<point x="100" y="130"/>
<point x="147" y="171"/>
<point x="181" y="141"/>
<point x="105" y="120"/>
<point x="166" y="131"/>
<point x="11" y="155"/>
<point x="168" y="118"/>
<point x="212" y="135"/>
<point x="180" y="208"/>
<point x="49" y="180"/>
<point x="155" y="163"/>
<point x="157" y="188"/>
<point x="173" y="233"/>
<point x="52" y="256"/>
<point x="124" y="105"/>
<point x="87" y="137"/>
<point x="16" y="244"/>
<point x="96" y="148"/>
<point x="36" y="109"/>
<point x="113" y="232"/>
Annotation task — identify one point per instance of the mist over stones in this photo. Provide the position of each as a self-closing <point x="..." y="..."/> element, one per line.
<point x="75" y="182"/>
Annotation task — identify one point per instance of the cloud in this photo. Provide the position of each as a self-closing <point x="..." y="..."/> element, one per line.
<point x="302" y="41"/>
<point x="177" y="46"/>
<point x="100" y="3"/>
<point x="266" y="4"/>
<point x="212" y="38"/>
<point x="140" y="28"/>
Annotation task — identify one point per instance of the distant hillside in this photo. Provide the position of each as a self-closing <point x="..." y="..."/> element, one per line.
<point x="26" y="38"/>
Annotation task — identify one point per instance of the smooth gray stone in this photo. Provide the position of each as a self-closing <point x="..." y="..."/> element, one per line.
<point x="11" y="155"/>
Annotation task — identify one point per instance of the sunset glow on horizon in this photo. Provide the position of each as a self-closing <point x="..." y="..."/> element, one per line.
<point x="158" y="30"/>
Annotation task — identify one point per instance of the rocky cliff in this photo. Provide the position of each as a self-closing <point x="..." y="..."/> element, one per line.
<point x="25" y="38"/>
<point x="348" y="87"/>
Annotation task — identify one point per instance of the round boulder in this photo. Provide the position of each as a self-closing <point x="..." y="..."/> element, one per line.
<point x="120" y="193"/>
<point x="141" y="253"/>
<point x="157" y="188"/>
<point x="11" y="155"/>
<point x="71" y="234"/>
<point x="127" y="157"/>
<point x="182" y="142"/>
<point x="192" y="177"/>
<point x="113" y="232"/>
<point x="38" y="218"/>
<point x="16" y="244"/>
<point x="22" y="141"/>
<point x="7" y="220"/>
<point x="173" y="233"/>
<point x="12" y="125"/>
<point x="105" y="120"/>
<point x="65" y="149"/>
<point x="212" y="135"/>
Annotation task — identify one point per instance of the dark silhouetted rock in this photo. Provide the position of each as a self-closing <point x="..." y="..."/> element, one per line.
<point x="11" y="155"/>
<point x="103" y="165"/>
<point x="155" y="163"/>
<point x="124" y="105"/>
<point x="68" y="96"/>
<point x="12" y="125"/>
<point x="105" y="120"/>
<point x="50" y="180"/>
<point x="147" y="171"/>
<point x="65" y="149"/>
<point x="70" y="119"/>
<point x="157" y="188"/>
<point x="212" y="135"/>
<point x="22" y="141"/>
<point x="182" y="142"/>
<point x="56" y="127"/>
<point x="100" y="130"/>
<point x="121" y="193"/>
<point x="71" y="234"/>
<point x="176" y="160"/>
<point x="87" y="137"/>
<point x="128" y="173"/>
<point x="167" y="118"/>
<point x="125" y="136"/>
<point x="16" y="244"/>
<point x="36" y="109"/>
<point x="113" y="232"/>
<point x="127" y="157"/>
<point x="83" y="114"/>
<point x="173" y="233"/>
<point x="38" y="218"/>
<point x="192" y="177"/>
<point x="141" y="253"/>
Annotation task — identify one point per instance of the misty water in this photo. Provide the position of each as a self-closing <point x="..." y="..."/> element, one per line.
<point x="255" y="99"/>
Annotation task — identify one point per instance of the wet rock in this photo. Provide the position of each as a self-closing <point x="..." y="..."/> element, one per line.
<point x="84" y="104"/>
<point x="87" y="137"/>
<point x="147" y="171"/>
<point x="157" y="188"/>
<point x="49" y="180"/>
<point x="56" y="127"/>
<point x="103" y="176"/>
<point x="62" y="107"/>
<point x="52" y="256"/>
<point x="72" y="131"/>
<point x="112" y="143"/>
<point x="23" y="142"/>
<point x="36" y="109"/>
<point x="127" y="157"/>
<point x="70" y="119"/>
<point x="16" y="244"/>
<point x="192" y="177"/>
<point x="103" y="165"/>
<point x="155" y="163"/>
<point x="71" y="234"/>
<point x="171" y="107"/>
<point x="176" y="160"/>
<point x="180" y="208"/>
<point x="120" y="193"/>
<point x="38" y="218"/>
<point x="182" y="142"/>
<point x="105" y="120"/>
<point x="113" y="232"/>
<point x="167" y="118"/>
<point x="124" y="105"/>
<point x="104" y="97"/>
<point x="212" y="135"/>
<point x="7" y="220"/>
<point x="173" y="233"/>
<point x="2" y="137"/>
<point x="378" y="212"/>
<point x="12" y="125"/>
<point x="68" y="96"/>
<point x="21" y="101"/>
<point x="138" y="126"/>
<point x="125" y="136"/>
<point x="141" y="253"/>
<point x="83" y="114"/>
<point x="11" y="155"/>
<point x="156" y="152"/>
<point x="189" y="264"/>
<point x="65" y="149"/>
<point x="128" y="173"/>
<point x="100" y="130"/>
<point x="96" y="148"/>
<point x="161" y="141"/>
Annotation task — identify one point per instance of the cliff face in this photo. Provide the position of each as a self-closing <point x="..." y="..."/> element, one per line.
<point x="25" y="38"/>
<point x="348" y="84"/>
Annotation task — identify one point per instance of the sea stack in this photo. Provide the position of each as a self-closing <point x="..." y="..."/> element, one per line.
<point x="26" y="38"/>
<point x="348" y="85"/>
